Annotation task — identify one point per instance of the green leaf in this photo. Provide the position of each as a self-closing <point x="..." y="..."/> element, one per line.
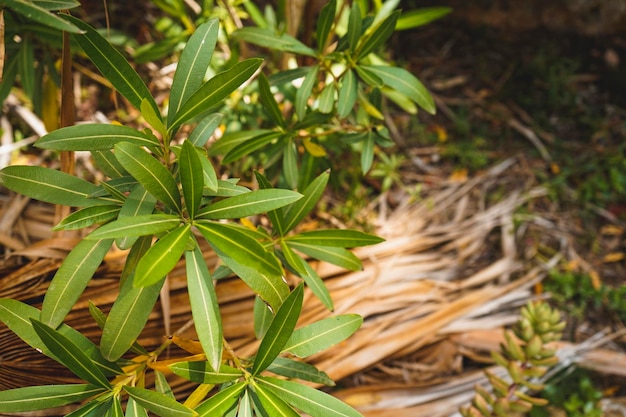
<point x="327" y="99"/>
<point x="135" y="410"/>
<point x="279" y="331"/>
<point x="377" y="36"/>
<point x="240" y="247"/>
<point x="44" y="397"/>
<point x="420" y="17"/>
<point x="191" y="177"/>
<point x="138" y="203"/>
<point x="127" y="318"/>
<point x="262" y="317"/>
<point x="27" y="66"/>
<point x="249" y="146"/>
<point x="87" y="217"/>
<point x="40" y="15"/>
<point x="299" y="210"/>
<point x="307" y="399"/>
<point x="268" y="38"/>
<point x="204" y="307"/>
<point x="369" y="77"/>
<point x="158" y="403"/>
<point x="203" y="373"/>
<point x="91" y="409"/>
<point x="321" y="335"/>
<point x="153" y="176"/>
<point x="232" y="140"/>
<point x="71" y="279"/>
<point x="325" y="23"/>
<point x="205" y="128"/>
<point x="336" y="256"/>
<point x="211" y="93"/>
<point x="221" y="402"/>
<point x="162" y="257"/>
<point x="249" y="204"/>
<point x="367" y="153"/>
<point x="144" y="225"/>
<point x="153" y="117"/>
<point x="295" y="369"/>
<point x="276" y="215"/>
<point x="49" y="185"/>
<point x="245" y="406"/>
<point x="304" y="92"/>
<point x="192" y="66"/>
<point x="290" y="163"/>
<point x="113" y="65"/>
<point x="355" y="26"/>
<point x="100" y="318"/>
<point x="208" y="172"/>
<point x="70" y="355"/>
<point x="115" y="409"/>
<point x="308" y="274"/>
<point x="92" y="137"/>
<point x="109" y="165"/>
<point x="405" y="83"/>
<point x="269" y="102"/>
<point x="56" y="4"/>
<point x="341" y="238"/>
<point x="272" y="404"/>
<point x="347" y="94"/>
<point x="286" y="76"/>
<point x="226" y="189"/>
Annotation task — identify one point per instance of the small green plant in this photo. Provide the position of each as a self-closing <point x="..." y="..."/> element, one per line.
<point x="574" y="393"/>
<point x="526" y="358"/>
<point x="163" y="201"/>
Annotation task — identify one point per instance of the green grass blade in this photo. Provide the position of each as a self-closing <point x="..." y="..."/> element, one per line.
<point x="113" y="65"/>
<point x="204" y="307"/>
<point x="211" y="93"/>
<point x="93" y="137"/>
<point x="192" y="65"/>
<point x="46" y="396"/>
<point x="279" y="331"/>
<point x="321" y="335"/>
<point x="158" y="403"/>
<point x="70" y="355"/>
<point x="71" y="279"/>
<point x="162" y="257"/>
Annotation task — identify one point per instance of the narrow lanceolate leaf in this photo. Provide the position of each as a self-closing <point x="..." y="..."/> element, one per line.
<point x="312" y="193"/>
<point x="161" y="384"/>
<point x="135" y="410"/>
<point x="116" y="408"/>
<point x="336" y="256"/>
<point x="70" y="355"/>
<point x="40" y="15"/>
<point x="279" y="331"/>
<point x="92" y="137"/>
<point x="309" y="400"/>
<point x="221" y="402"/>
<point x="113" y="65"/>
<point x="191" y="177"/>
<point x="377" y="36"/>
<point x="269" y="102"/>
<point x="367" y="152"/>
<point x="240" y="247"/>
<point x="327" y="99"/>
<point x="304" y="92"/>
<point x="308" y="274"/>
<point x="369" y="77"/>
<point x="162" y="257"/>
<point x="268" y="38"/>
<point x="158" y="403"/>
<point x="88" y="216"/>
<point x="321" y="335"/>
<point x="249" y="146"/>
<point x="203" y="373"/>
<point x="233" y="140"/>
<point x="92" y="408"/>
<point x="272" y="404"/>
<point x="405" y="83"/>
<point x="291" y="368"/>
<point x="245" y="406"/>
<point x="249" y="204"/>
<point x="262" y="317"/>
<point x="192" y="65"/>
<point x="419" y="17"/>
<point x="45" y="397"/>
<point x="150" y="173"/>
<point x="138" y="203"/>
<point x="205" y="128"/>
<point x="347" y="94"/>
<point x="204" y="307"/>
<point x="211" y="93"/>
<point x="144" y="225"/>
<point x="127" y="319"/>
<point x="355" y="26"/>
<point x="325" y="23"/>
<point x="71" y="279"/>
<point x="336" y="237"/>
<point x="276" y="215"/>
<point x="49" y="185"/>
<point x="110" y="166"/>
<point x="100" y="318"/>
<point x="153" y="117"/>
<point x="290" y="163"/>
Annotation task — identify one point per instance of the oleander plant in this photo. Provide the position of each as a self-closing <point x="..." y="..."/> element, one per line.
<point x="163" y="200"/>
